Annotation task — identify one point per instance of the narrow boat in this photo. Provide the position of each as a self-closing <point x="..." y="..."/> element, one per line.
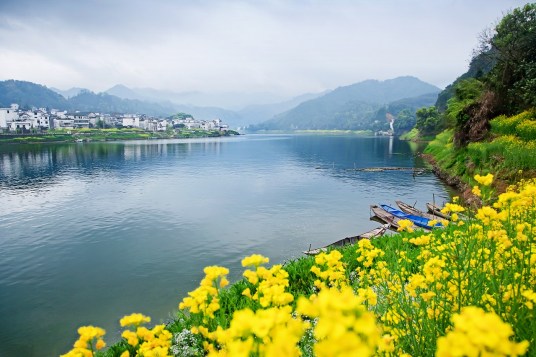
<point x="417" y="212"/>
<point x="417" y="220"/>
<point x="382" y="216"/>
<point x="376" y="232"/>
<point x="436" y="210"/>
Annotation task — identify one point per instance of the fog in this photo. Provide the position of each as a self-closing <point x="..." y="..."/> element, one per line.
<point x="271" y="50"/>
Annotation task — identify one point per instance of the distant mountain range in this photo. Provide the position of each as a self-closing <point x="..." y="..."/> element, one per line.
<point x="28" y="95"/>
<point x="356" y="106"/>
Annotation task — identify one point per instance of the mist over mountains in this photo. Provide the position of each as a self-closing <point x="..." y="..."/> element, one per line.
<point x="356" y="106"/>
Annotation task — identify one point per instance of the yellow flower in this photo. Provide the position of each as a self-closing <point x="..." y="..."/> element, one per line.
<point x="205" y="299"/>
<point x="329" y="269"/>
<point x="531" y="298"/>
<point x="254" y="260"/>
<point x="405" y="225"/>
<point x="344" y="327"/>
<point x="428" y="295"/>
<point x="134" y="319"/>
<point x="476" y="191"/>
<point x="478" y="333"/>
<point x="421" y="240"/>
<point x="452" y="207"/>
<point x="131" y="337"/>
<point x="266" y="332"/>
<point x="100" y="344"/>
<point x="484" y="180"/>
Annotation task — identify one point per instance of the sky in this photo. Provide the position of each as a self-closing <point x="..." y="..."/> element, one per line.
<point x="215" y="46"/>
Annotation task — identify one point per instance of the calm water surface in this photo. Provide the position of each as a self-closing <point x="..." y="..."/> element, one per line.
<point x="91" y="232"/>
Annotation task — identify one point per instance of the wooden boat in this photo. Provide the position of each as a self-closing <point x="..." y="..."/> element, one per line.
<point x="382" y="216"/>
<point x="417" y="212"/>
<point x="376" y="232"/>
<point x="436" y="210"/>
<point x="417" y="220"/>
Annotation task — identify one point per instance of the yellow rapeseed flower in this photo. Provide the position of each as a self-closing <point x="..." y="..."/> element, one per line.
<point x="405" y="225"/>
<point x="421" y="240"/>
<point x="477" y="333"/>
<point x="134" y="319"/>
<point x="476" y="191"/>
<point x="484" y="180"/>
<point x="531" y="298"/>
<point x="254" y="260"/>
<point x="344" y="327"/>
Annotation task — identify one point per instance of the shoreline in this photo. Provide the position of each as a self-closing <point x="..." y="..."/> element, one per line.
<point x="100" y="136"/>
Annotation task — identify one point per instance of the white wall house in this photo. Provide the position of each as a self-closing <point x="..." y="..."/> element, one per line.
<point x="149" y="124"/>
<point x="192" y="124"/>
<point x="64" y="123"/>
<point x="79" y="120"/>
<point x="40" y="118"/>
<point x="23" y="122"/>
<point x="8" y="115"/>
<point x="162" y="125"/>
<point x="131" y="121"/>
<point x="93" y="117"/>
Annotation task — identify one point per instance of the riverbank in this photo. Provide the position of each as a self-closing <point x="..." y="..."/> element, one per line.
<point x="319" y="132"/>
<point x="412" y="295"/>
<point x="87" y="135"/>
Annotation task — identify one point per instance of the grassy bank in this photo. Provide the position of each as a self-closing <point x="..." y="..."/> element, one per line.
<point x="415" y="135"/>
<point x="110" y="135"/>
<point x="509" y="152"/>
<point x="468" y="289"/>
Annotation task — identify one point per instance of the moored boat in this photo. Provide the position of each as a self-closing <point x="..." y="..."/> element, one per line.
<point x="432" y="208"/>
<point x="382" y="216"/>
<point x="417" y="220"/>
<point x="376" y="232"/>
<point x="415" y="211"/>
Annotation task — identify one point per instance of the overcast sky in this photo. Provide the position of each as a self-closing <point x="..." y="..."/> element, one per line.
<point x="280" y="46"/>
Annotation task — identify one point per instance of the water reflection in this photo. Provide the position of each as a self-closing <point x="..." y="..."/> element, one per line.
<point x="96" y="230"/>
<point x="36" y="166"/>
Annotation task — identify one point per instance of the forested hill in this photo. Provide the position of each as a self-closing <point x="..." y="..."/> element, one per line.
<point x="28" y="95"/>
<point x="352" y="107"/>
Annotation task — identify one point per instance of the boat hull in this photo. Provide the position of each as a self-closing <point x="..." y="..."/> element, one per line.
<point x="417" y="220"/>
<point x="377" y="232"/>
<point x="417" y="212"/>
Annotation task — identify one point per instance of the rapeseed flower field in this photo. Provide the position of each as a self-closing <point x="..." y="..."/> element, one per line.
<point x="468" y="289"/>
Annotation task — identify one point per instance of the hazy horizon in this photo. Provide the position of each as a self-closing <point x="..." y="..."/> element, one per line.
<point x="274" y="48"/>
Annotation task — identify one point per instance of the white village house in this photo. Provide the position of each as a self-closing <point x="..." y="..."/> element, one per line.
<point x="13" y="119"/>
<point x="8" y="115"/>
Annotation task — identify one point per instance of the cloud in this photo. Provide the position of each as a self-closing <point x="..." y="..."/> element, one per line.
<point x="289" y="47"/>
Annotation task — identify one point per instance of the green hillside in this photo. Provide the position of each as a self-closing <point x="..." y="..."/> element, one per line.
<point x="355" y="106"/>
<point x="28" y="94"/>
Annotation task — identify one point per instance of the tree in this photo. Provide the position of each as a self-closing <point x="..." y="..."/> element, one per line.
<point x="514" y="76"/>
<point x="405" y="121"/>
<point x="428" y="121"/>
<point x="466" y="93"/>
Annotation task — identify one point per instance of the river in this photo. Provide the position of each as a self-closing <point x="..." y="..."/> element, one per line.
<point x="90" y="232"/>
